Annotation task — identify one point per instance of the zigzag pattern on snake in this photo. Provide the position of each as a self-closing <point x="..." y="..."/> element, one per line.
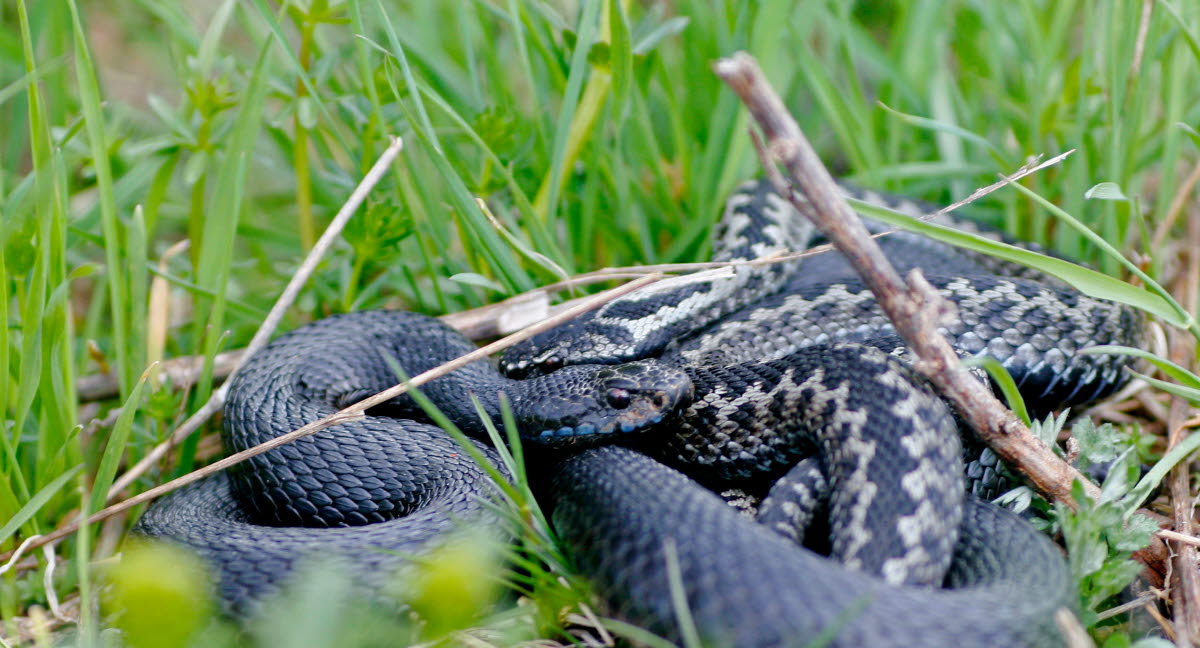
<point x="872" y="442"/>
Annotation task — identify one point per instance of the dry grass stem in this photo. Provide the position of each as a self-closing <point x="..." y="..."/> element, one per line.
<point x="1028" y="169"/>
<point x="350" y="413"/>
<point x="1178" y="202"/>
<point x="1175" y="536"/>
<point x="1128" y="606"/>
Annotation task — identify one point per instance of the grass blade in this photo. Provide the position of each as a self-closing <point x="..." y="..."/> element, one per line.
<point x="98" y="139"/>
<point x="1004" y="380"/>
<point x="36" y="503"/>
<point x="1177" y="372"/>
<point x="117" y="444"/>
<point x="1085" y="280"/>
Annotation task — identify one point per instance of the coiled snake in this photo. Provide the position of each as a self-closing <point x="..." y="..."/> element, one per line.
<point x="782" y="377"/>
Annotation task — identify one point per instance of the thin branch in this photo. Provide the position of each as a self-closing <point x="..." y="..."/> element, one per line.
<point x="351" y="413"/>
<point x="914" y="308"/>
<point x="13" y="557"/>
<point x="1128" y="606"/>
<point x="1175" y="536"/>
<point x="1185" y="593"/>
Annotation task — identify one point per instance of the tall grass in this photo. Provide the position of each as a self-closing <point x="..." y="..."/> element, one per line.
<point x="594" y="131"/>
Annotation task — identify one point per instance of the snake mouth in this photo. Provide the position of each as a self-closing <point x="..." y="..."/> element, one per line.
<point x="599" y="403"/>
<point x="642" y="411"/>
<point x="587" y="433"/>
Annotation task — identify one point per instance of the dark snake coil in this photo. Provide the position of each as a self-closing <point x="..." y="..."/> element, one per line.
<point x="782" y="374"/>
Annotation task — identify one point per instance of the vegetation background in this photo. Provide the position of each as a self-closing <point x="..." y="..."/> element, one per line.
<point x="593" y="130"/>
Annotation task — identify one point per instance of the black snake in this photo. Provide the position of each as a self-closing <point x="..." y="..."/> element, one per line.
<point x="781" y="374"/>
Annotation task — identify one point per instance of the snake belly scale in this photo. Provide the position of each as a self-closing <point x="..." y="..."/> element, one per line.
<point x="784" y="375"/>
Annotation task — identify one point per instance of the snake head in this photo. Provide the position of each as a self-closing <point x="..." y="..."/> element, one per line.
<point x="546" y="353"/>
<point x="580" y="342"/>
<point x="595" y="403"/>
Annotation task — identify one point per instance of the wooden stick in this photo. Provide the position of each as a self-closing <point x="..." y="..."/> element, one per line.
<point x="1185" y="592"/>
<point x="914" y="308"/>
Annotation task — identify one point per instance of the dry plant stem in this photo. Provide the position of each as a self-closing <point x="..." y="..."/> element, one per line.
<point x="913" y="309"/>
<point x="267" y="329"/>
<point x="478" y="323"/>
<point x="182" y="372"/>
<point x="1167" y="534"/>
<point x="1178" y="202"/>
<point x="1027" y="169"/>
<point x="352" y="413"/>
<point x="1140" y="44"/>
<point x="1186" y="590"/>
<point x="1127" y="607"/>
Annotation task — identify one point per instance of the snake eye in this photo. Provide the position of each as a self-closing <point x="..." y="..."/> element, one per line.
<point x="551" y="364"/>
<point x="617" y="398"/>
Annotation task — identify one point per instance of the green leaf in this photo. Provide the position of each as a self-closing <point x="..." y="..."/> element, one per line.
<point x="942" y="127"/>
<point x="667" y="29"/>
<point x="476" y="279"/>
<point x="1191" y="394"/>
<point x="211" y="44"/>
<point x="1179" y="316"/>
<point x="306" y="113"/>
<point x="1106" y="191"/>
<point x="1085" y="280"/>
<point x="1098" y="444"/>
<point x="567" y="139"/>
<point x="452" y="586"/>
<point x="1191" y="132"/>
<point x="620" y="61"/>
<point x="159" y="595"/>
<point x="36" y="502"/>
<point x="1158" y="472"/>
<point x="1003" y="380"/>
<point x="117" y="443"/>
<point x="1189" y="36"/>
<point x="171" y="118"/>
<point x="1134" y="534"/>
<point x="195" y="167"/>
<point x="1176" y="372"/>
<point x="91" y="103"/>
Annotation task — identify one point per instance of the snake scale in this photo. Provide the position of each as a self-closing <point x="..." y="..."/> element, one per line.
<point x="782" y="381"/>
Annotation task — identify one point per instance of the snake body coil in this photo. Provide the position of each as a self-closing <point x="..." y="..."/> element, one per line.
<point x="370" y="493"/>
<point x="758" y="379"/>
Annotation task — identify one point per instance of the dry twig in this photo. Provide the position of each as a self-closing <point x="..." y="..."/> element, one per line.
<point x="1186" y="590"/>
<point x="913" y="307"/>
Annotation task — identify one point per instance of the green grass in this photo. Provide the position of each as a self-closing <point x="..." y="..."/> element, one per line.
<point x="598" y="137"/>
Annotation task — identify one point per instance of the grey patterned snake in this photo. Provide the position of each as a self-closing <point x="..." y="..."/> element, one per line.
<point x="775" y="376"/>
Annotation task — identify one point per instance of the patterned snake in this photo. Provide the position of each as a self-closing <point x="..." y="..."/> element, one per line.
<point x="781" y="380"/>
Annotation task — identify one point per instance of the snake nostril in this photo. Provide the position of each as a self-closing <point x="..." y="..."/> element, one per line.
<point x="617" y="398"/>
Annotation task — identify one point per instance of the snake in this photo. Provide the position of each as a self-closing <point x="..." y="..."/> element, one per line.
<point x="779" y="380"/>
<point x="366" y="495"/>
